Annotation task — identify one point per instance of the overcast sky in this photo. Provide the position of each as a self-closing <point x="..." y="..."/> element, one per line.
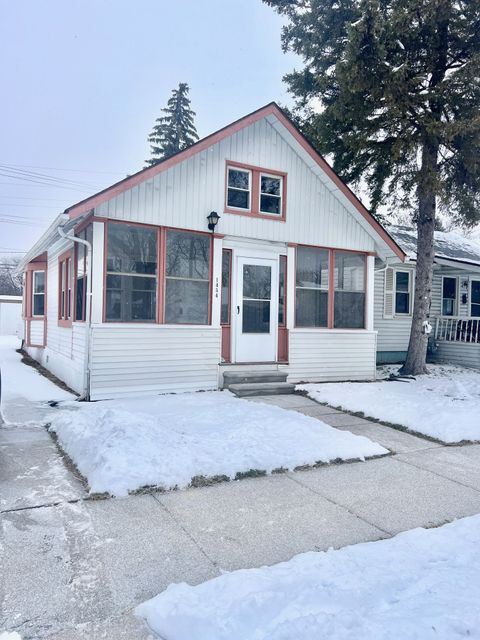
<point x="83" y="81"/>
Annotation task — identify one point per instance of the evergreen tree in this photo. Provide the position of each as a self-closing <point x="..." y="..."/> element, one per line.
<point x="391" y="88"/>
<point x="175" y="130"/>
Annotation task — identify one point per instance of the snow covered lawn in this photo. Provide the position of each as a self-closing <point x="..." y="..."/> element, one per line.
<point x="166" y="441"/>
<point x="421" y="584"/>
<point x="445" y="404"/>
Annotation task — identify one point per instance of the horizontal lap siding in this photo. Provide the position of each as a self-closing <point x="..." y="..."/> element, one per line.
<point x="393" y="333"/>
<point x="467" y="355"/>
<point x="127" y="361"/>
<point x="336" y="355"/>
<point x="36" y="332"/>
<point x="182" y="196"/>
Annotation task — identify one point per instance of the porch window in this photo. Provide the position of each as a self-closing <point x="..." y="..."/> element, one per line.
<point x="349" y="290"/>
<point x="38" y="293"/>
<point x="187" y="282"/>
<point x="402" y="292"/>
<point x="312" y="287"/>
<point x="81" y="274"/>
<point x="449" y="296"/>
<point x="226" y="286"/>
<point x="270" y="194"/>
<point x="131" y="279"/>
<point x="65" y="289"/>
<point x="238" y="188"/>
<point x="475" y="299"/>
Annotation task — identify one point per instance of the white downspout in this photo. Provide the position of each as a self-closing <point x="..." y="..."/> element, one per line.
<point x="88" y="303"/>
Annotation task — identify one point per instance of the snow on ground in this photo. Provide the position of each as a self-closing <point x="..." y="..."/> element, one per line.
<point x="165" y="441"/>
<point x="22" y="384"/>
<point x="445" y="404"/>
<point x="421" y="584"/>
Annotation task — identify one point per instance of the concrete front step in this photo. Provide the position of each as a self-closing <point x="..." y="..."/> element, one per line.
<point x="250" y="389"/>
<point x="250" y="377"/>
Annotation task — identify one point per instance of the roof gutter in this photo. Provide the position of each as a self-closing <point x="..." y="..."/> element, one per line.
<point x="85" y="395"/>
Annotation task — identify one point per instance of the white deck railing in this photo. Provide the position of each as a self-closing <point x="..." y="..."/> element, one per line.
<point x="457" y="329"/>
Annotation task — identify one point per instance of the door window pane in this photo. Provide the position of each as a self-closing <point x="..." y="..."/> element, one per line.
<point x="187" y="283"/>
<point x="349" y="290"/>
<point x="256" y="316"/>
<point x="449" y="296"/>
<point x="257" y="282"/>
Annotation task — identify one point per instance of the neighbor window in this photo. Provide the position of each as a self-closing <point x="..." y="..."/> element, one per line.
<point x="349" y="288"/>
<point x="38" y="293"/>
<point x="449" y="296"/>
<point x="131" y="282"/>
<point x="238" y="188"/>
<point x="475" y="299"/>
<point x="312" y="287"/>
<point x="270" y="194"/>
<point x="187" y="281"/>
<point x="402" y="292"/>
<point x="65" y="288"/>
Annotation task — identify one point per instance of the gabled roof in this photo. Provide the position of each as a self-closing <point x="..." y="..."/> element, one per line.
<point x="450" y="246"/>
<point x="271" y="110"/>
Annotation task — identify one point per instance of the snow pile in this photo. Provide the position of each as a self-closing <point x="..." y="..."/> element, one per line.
<point x="421" y="584"/>
<point x="445" y="404"/>
<point x="165" y="441"/>
<point x="4" y="635"/>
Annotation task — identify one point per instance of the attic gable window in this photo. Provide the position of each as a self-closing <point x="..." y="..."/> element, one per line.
<point x="238" y="192"/>
<point x="255" y="192"/>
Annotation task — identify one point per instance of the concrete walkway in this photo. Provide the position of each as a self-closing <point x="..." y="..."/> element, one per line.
<point x="73" y="568"/>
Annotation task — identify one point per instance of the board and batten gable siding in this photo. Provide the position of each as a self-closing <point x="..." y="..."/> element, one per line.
<point x="321" y="356"/>
<point x="183" y="195"/>
<point x="149" y="359"/>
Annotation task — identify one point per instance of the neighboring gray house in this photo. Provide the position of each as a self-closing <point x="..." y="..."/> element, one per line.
<point x="455" y="310"/>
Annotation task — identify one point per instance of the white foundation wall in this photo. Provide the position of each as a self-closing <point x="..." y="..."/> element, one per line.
<point x="327" y="356"/>
<point x="150" y="359"/>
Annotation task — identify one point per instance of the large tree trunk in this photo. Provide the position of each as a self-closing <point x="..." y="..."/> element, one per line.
<point x="415" y="363"/>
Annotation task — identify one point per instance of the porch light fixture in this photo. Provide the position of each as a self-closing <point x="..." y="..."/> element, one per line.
<point x="213" y="219"/>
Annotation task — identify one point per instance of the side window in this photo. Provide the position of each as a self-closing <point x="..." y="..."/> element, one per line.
<point x="65" y="288"/>
<point x="349" y="287"/>
<point x="226" y="286"/>
<point x="449" y="296"/>
<point x="38" y="293"/>
<point x="402" y="292"/>
<point x="475" y="300"/>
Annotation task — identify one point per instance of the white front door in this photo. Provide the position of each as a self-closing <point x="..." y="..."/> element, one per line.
<point x="255" y="311"/>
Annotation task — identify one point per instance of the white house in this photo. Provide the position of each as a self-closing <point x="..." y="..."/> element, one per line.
<point x="10" y="315"/>
<point x="455" y="308"/>
<point x="129" y="292"/>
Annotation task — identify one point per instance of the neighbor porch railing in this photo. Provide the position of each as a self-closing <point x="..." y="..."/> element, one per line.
<point x="457" y="329"/>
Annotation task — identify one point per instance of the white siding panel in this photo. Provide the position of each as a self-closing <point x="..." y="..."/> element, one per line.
<point x="127" y="361"/>
<point x="36" y="332"/>
<point x="321" y="356"/>
<point x="183" y="195"/>
<point x="466" y="355"/>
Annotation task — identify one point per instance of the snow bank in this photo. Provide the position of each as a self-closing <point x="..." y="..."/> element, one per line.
<point x="444" y="404"/>
<point x="165" y="441"/>
<point x="421" y="584"/>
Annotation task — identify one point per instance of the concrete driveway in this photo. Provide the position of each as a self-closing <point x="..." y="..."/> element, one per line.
<point x="75" y="568"/>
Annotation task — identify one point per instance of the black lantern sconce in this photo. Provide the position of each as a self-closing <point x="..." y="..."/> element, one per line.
<point x="213" y="219"/>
